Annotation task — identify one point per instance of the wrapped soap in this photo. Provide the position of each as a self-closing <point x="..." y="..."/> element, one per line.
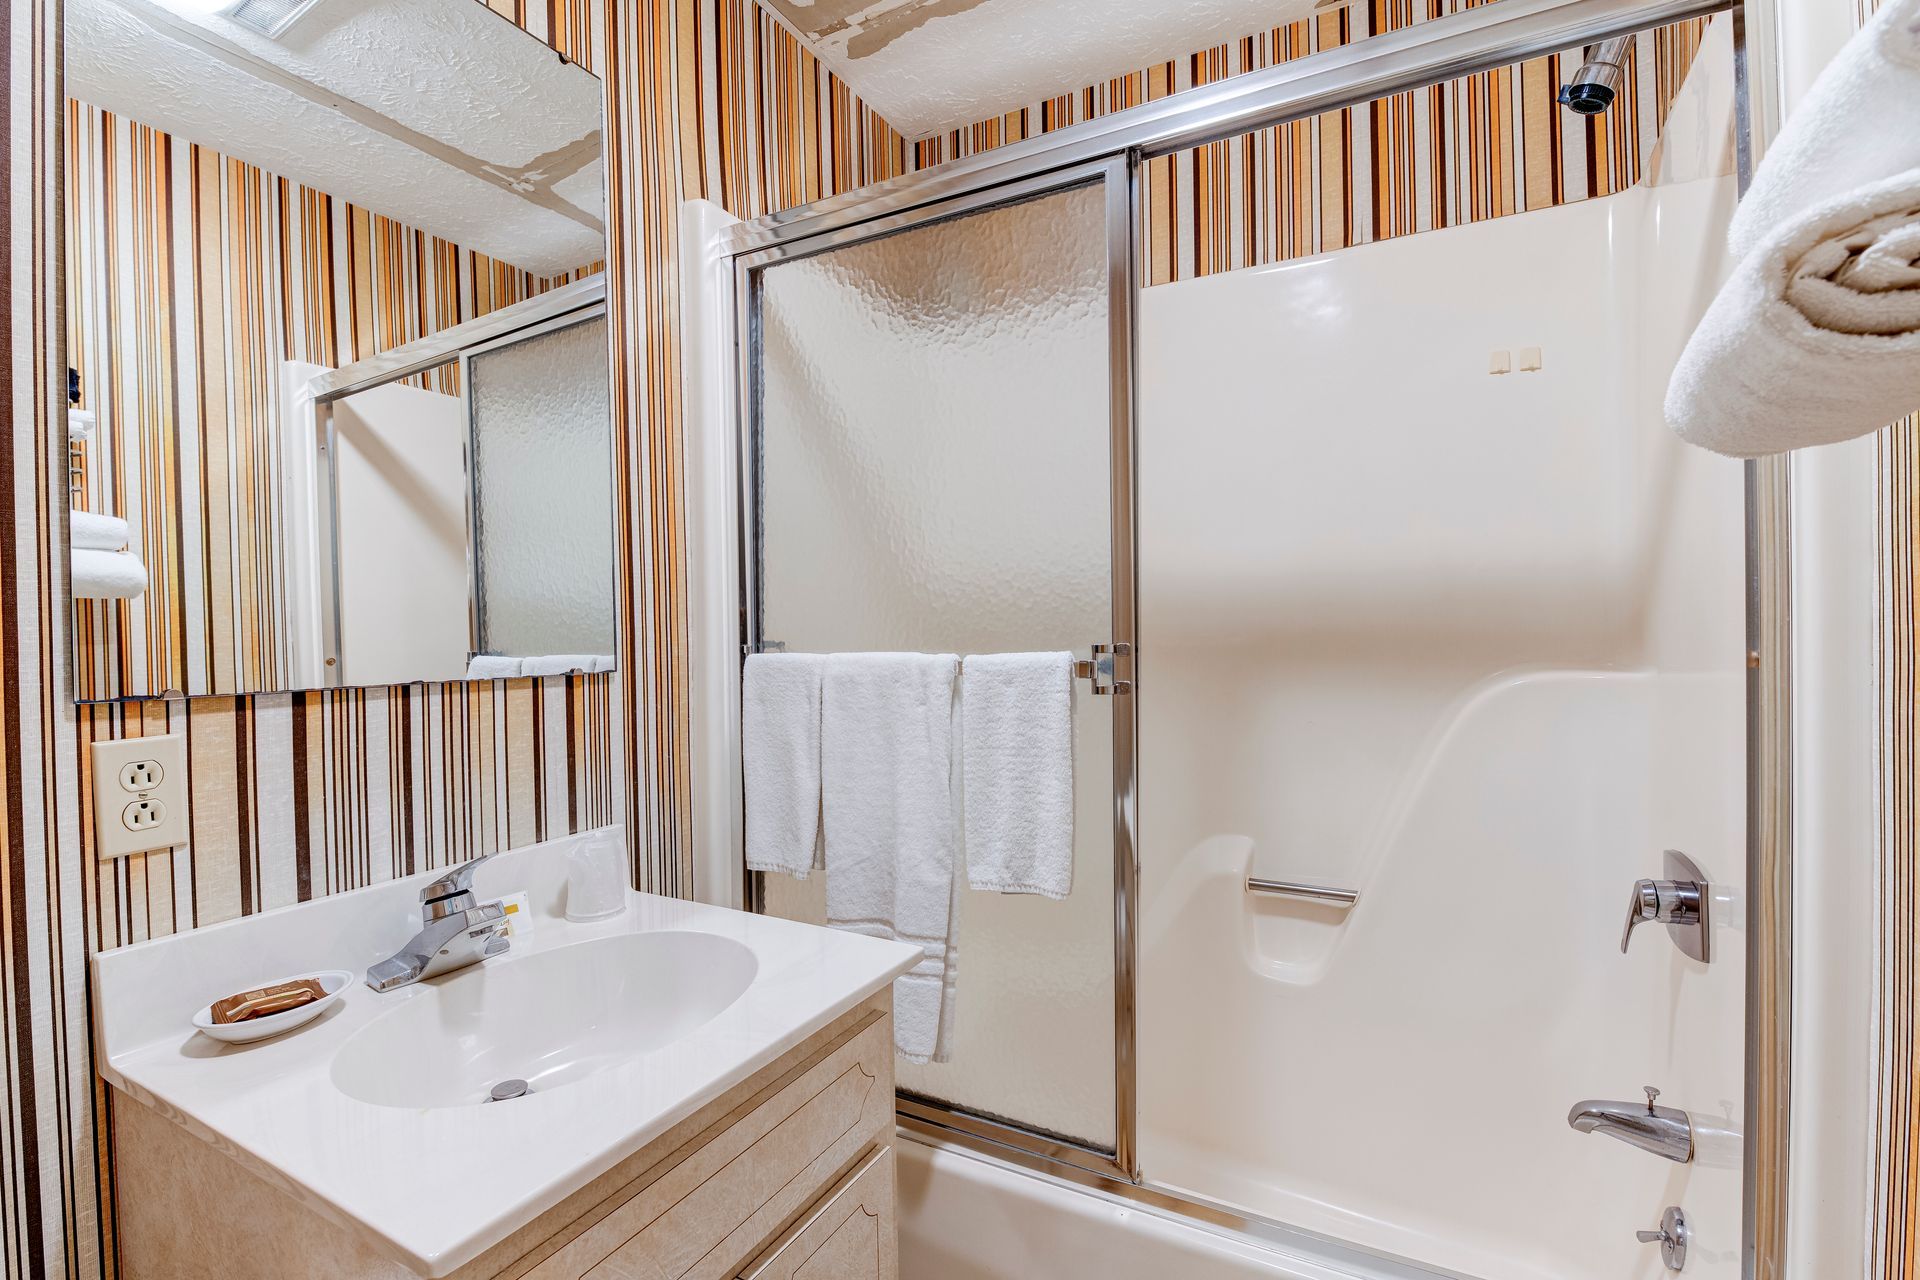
<point x="264" y="1002"/>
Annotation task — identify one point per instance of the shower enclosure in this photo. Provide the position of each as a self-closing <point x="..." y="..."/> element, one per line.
<point x="1412" y="641"/>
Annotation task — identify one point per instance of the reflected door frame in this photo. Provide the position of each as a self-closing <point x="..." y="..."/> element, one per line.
<point x="1116" y="175"/>
<point x="555" y="309"/>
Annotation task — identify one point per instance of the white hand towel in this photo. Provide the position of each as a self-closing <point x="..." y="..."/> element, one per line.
<point x="555" y="664"/>
<point x="96" y="532"/>
<point x="1816" y="338"/>
<point x="604" y="662"/>
<point x="1858" y="125"/>
<point x="1016" y="732"/>
<point x="780" y="760"/>
<point x="107" y="575"/>
<point x="886" y="777"/>
<point x="493" y="666"/>
<point x="80" y="425"/>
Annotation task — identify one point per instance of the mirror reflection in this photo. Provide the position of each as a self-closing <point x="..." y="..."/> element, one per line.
<point x="339" y="364"/>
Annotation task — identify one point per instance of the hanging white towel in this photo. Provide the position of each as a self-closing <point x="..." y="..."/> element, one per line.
<point x="604" y="662"/>
<point x="492" y="666"/>
<point x="107" y="575"/>
<point x="1816" y="338"/>
<point x="1017" y="765"/>
<point x="780" y="760"/>
<point x="555" y="664"/>
<point x="96" y="532"/>
<point x="886" y="777"/>
<point x="1858" y="125"/>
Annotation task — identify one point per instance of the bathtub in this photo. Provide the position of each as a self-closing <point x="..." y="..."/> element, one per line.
<point x="966" y="1217"/>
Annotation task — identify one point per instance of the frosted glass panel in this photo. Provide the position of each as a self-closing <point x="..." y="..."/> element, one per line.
<point x="542" y="494"/>
<point x="934" y="477"/>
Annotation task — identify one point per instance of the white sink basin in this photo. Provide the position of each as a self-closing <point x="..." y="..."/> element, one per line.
<point x="550" y="1019"/>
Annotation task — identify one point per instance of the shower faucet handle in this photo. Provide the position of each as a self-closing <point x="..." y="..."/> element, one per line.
<point x="1652" y="1093"/>
<point x="1679" y="901"/>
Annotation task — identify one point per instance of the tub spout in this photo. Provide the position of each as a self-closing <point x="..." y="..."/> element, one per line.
<point x="1665" y="1131"/>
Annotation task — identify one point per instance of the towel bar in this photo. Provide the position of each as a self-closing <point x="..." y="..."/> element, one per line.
<point x="1342" y="898"/>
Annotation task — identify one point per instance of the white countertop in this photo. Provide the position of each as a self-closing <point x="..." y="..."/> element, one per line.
<point x="434" y="1188"/>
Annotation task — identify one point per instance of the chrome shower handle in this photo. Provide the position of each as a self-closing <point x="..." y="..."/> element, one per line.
<point x="1679" y="902"/>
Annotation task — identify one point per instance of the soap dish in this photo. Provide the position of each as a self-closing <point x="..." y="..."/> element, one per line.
<point x="332" y="981"/>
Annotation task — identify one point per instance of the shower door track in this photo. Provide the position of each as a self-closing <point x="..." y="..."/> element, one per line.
<point x="1479" y="39"/>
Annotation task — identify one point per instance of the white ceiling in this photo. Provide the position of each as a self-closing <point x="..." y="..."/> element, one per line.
<point x="932" y="65"/>
<point x="439" y="113"/>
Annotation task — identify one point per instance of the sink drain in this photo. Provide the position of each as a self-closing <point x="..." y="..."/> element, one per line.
<point x="507" y="1089"/>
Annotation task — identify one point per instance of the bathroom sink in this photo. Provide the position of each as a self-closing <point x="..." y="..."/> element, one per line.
<point x="548" y="1019"/>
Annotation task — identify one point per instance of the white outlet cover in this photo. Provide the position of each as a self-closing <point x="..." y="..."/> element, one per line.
<point x="112" y="838"/>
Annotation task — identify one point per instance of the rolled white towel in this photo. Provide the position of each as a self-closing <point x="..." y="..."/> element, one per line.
<point x="1816" y="338"/>
<point x="107" y="575"/>
<point x="1858" y="125"/>
<point x="93" y="531"/>
<point x="80" y="425"/>
<point x="492" y="666"/>
<point x="555" y="664"/>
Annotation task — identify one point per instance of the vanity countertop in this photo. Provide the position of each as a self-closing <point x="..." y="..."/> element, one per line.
<point x="435" y="1187"/>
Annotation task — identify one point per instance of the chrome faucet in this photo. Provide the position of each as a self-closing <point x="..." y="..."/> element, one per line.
<point x="455" y="932"/>
<point x="1665" y="1131"/>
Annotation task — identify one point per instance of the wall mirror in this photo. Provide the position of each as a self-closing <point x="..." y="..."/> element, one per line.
<point x="337" y="343"/>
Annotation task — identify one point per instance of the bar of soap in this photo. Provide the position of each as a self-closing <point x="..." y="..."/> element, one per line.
<point x="266" y="1001"/>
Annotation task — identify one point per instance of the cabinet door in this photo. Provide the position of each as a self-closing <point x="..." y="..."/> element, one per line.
<point x="848" y="1235"/>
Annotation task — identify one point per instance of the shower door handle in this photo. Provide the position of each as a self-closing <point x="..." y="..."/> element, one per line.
<point x="1100" y="669"/>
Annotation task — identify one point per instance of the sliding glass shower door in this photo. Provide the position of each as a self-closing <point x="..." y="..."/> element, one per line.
<point x="932" y="467"/>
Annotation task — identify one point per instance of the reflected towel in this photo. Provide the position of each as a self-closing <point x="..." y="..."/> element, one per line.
<point x="780" y="760"/>
<point x="107" y="575"/>
<point x="556" y="664"/>
<point x="492" y="666"/>
<point x="1016" y="734"/>
<point x="96" y="532"/>
<point x="1858" y="125"/>
<point x="886" y="804"/>
<point x="1816" y="338"/>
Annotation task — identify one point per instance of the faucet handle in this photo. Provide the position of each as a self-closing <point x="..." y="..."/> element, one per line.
<point x="1643" y="904"/>
<point x="1651" y="1093"/>
<point x="440" y="895"/>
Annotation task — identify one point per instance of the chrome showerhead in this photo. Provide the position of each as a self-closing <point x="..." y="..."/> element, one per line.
<point x="1592" y="88"/>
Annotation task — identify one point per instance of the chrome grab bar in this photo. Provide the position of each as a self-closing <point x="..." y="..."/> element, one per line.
<point x="1342" y="898"/>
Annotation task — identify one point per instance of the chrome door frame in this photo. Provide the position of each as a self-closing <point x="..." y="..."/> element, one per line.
<point x="1116" y="175"/>
<point x="1478" y="39"/>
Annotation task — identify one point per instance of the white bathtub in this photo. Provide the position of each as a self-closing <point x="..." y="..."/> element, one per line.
<point x="964" y="1218"/>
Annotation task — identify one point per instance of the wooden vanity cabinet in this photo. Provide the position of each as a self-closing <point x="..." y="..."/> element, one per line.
<point x="789" y="1175"/>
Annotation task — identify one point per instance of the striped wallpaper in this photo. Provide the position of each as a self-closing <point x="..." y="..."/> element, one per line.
<point x="190" y="276"/>
<point x="308" y="794"/>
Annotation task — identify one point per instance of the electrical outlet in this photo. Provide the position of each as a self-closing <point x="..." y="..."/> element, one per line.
<point x="139" y="795"/>
<point x="141" y="775"/>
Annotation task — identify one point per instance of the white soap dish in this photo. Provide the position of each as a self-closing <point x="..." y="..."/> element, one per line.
<point x="332" y="981"/>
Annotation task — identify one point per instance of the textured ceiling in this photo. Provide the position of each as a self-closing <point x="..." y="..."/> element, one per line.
<point x="436" y="112"/>
<point x="932" y="65"/>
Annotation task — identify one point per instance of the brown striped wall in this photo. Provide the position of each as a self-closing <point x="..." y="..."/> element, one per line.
<point x="301" y="795"/>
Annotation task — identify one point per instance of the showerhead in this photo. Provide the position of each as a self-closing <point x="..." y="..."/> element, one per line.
<point x="1592" y="88"/>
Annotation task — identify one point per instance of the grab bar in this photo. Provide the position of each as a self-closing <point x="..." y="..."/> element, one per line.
<point x="1342" y="898"/>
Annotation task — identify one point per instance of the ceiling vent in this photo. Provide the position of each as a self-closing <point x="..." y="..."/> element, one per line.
<point x="268" y="17"/>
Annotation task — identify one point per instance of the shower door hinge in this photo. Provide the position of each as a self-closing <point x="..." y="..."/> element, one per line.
<point x="1099" y="669"/>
